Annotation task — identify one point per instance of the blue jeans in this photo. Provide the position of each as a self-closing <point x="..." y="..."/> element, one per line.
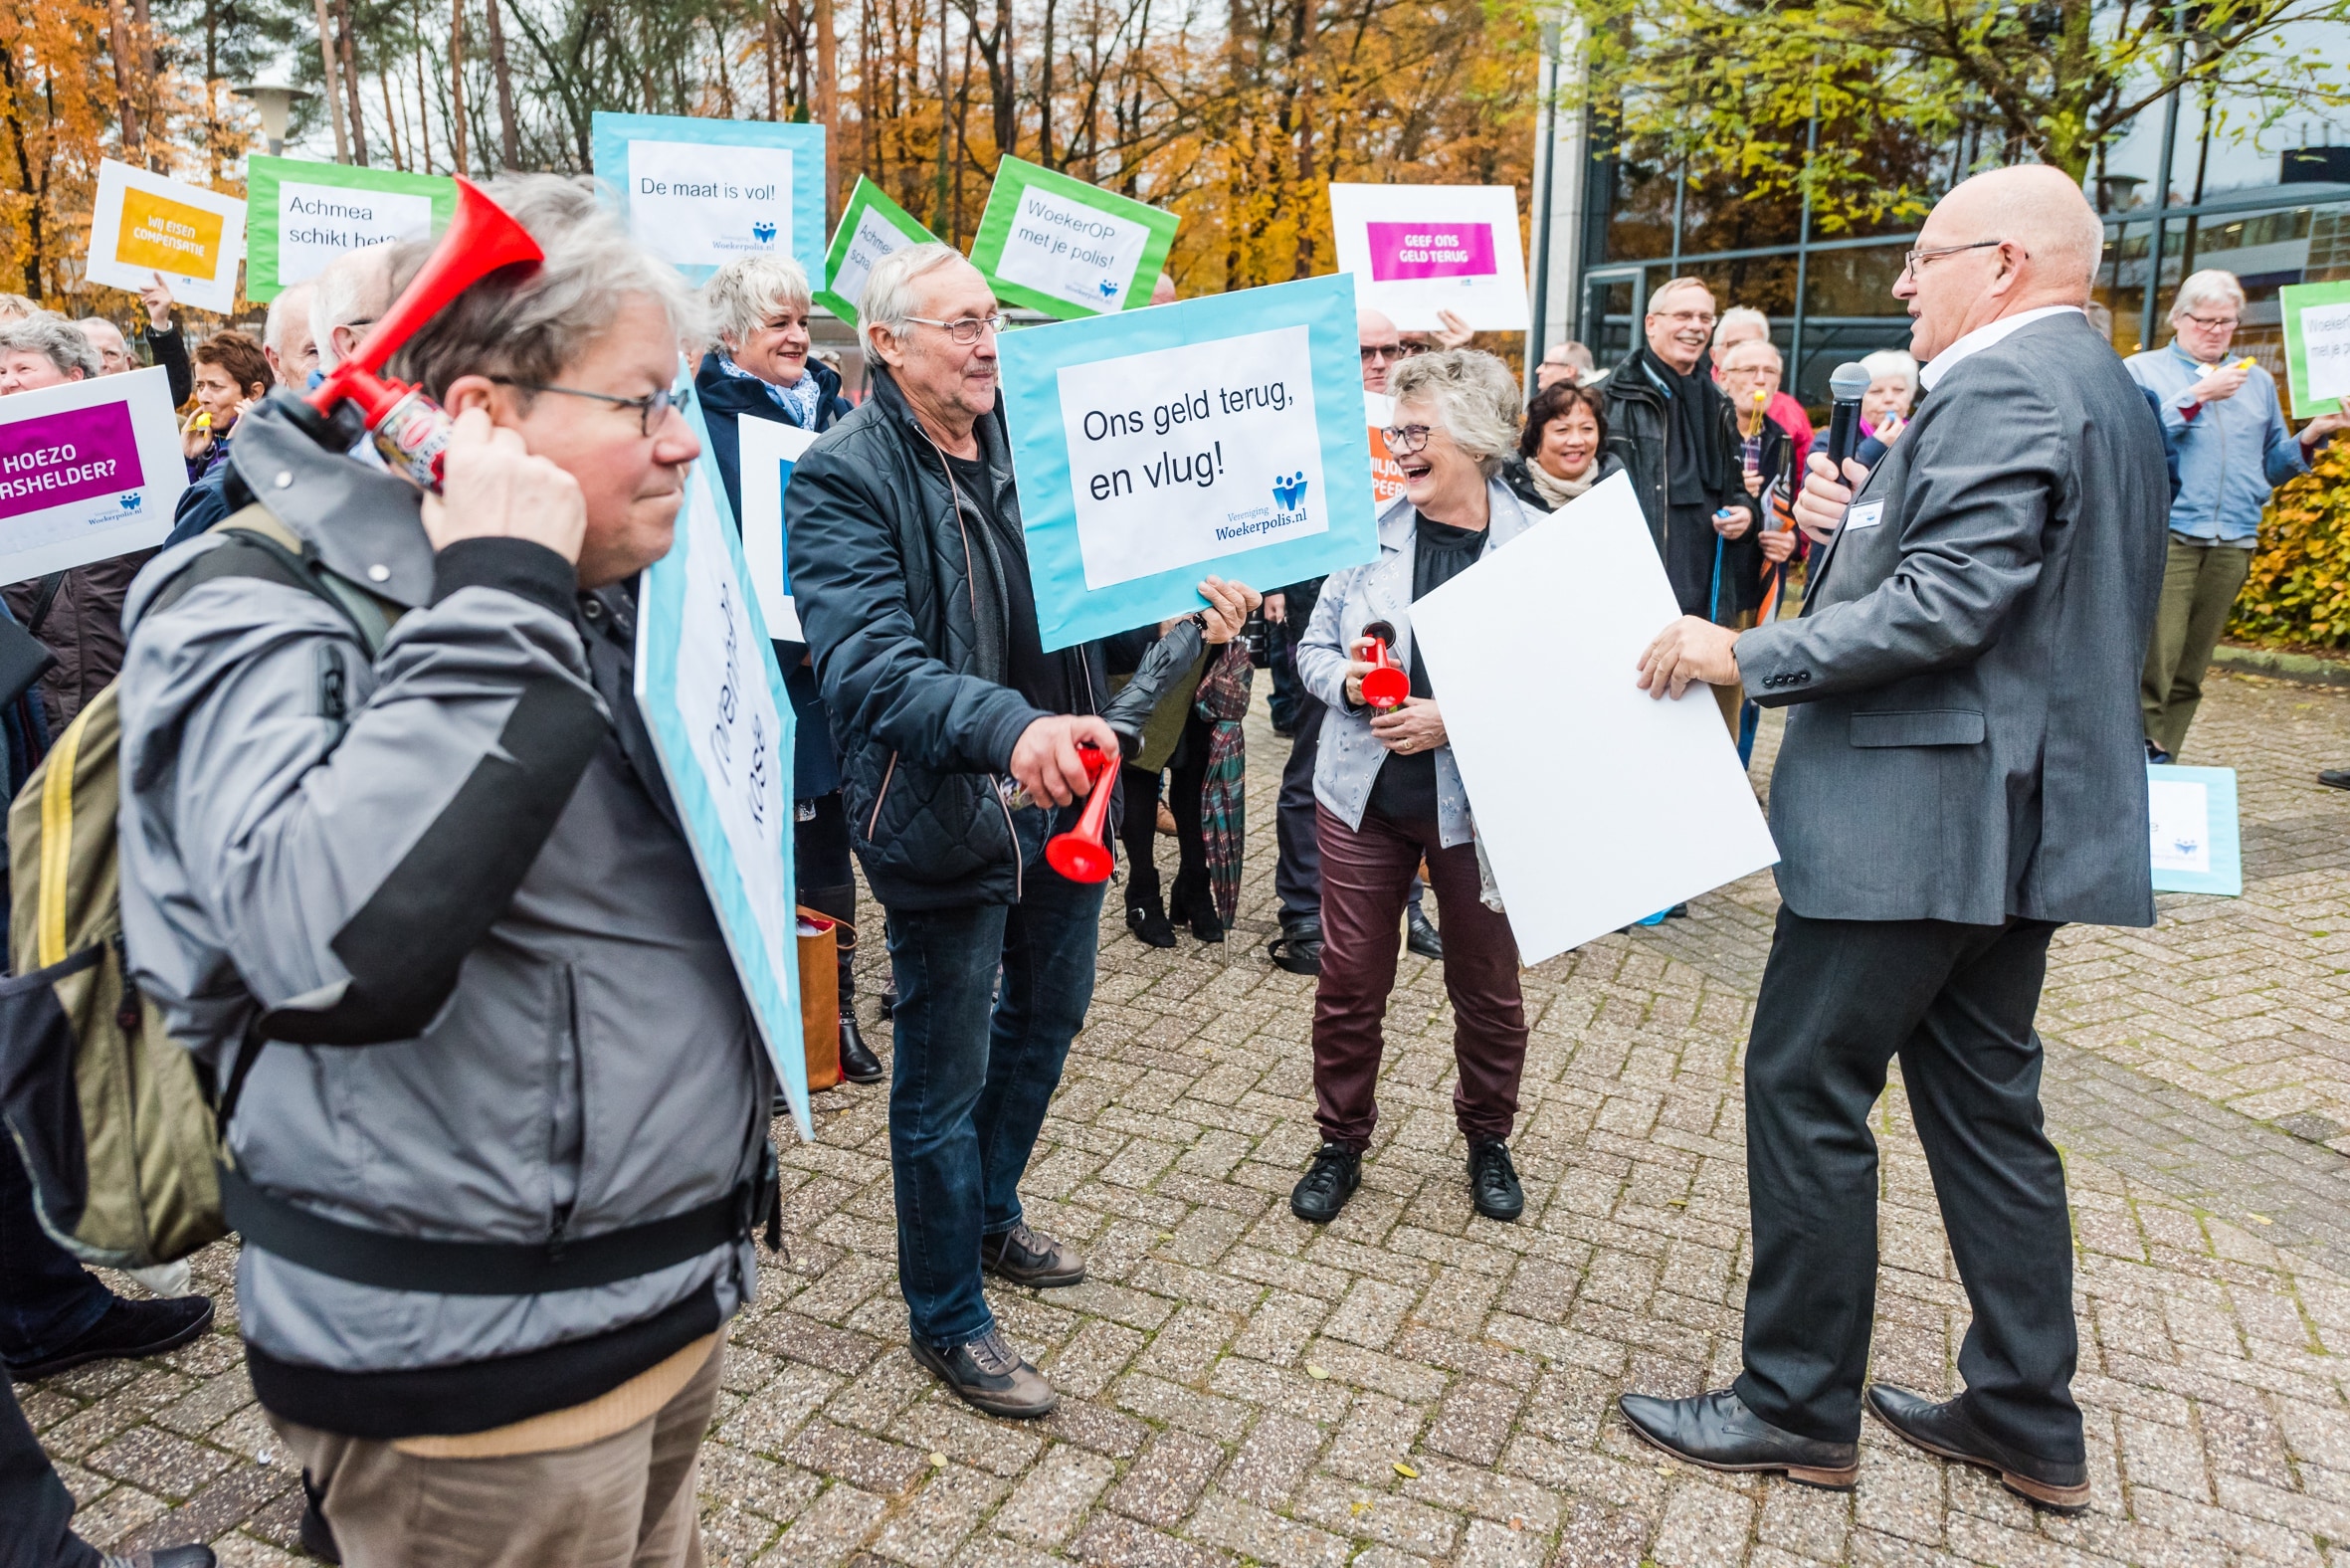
<point x="975" y="1065"/>
<point x="47" y="1299"/>
<point x="34" y="1505"/>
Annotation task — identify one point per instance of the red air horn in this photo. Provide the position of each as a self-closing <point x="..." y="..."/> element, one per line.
<point x="1082" y="854"/>
<point x="409" y="428"/>
<point x="1388" y="683"/>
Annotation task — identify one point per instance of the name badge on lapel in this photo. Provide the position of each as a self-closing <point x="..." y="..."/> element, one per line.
<point x="1867" y="515"/>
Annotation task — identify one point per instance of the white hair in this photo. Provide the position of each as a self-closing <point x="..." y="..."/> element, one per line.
<point x="2207" y="286"/>
<point x="1891" y="362"/>
<point x="56" y="339"/>
<point x="1777" y="358"/>
<point x="282" y="315"/>
<point x="1741" y="315"/>
<point x="741" y="294"/>
<point x="355" y="286"/>
<point x="889" y="287"/>
<point x="1472" y="392"/>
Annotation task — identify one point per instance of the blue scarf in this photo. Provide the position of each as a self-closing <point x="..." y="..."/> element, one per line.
<point x="798" y="401"/>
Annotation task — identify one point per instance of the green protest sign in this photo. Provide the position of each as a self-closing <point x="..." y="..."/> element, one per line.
<point x="872" y="227"/>
<point x="1067" y="248"/>
<point x="302" y="215"/>
<point x="2316" y="346"/>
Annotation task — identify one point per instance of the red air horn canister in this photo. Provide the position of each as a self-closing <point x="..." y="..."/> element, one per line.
<point x="1082" y="854"/>
<point x="409" y="428"/>
<point x="1388" y="683"/>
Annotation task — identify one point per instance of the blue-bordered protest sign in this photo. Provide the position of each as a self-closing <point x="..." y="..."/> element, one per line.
<point x="2192" y="830"/>
<point x="713" y="697"/>
<point x="699" y="193"/>
<point x="1219" y="435"/>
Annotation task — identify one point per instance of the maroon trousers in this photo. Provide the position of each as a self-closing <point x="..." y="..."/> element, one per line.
<point x="1366" y="875"/>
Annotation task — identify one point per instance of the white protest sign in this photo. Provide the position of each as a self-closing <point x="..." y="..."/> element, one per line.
<point x="1183" y="454"/>
<point x="2193" y="833"/>
<point x="1072" y="252"/>
<point x="1416" y="250"/>
<point x="2179" y="825"/>
<point x="2325" y="335"/>
<point x="702" y="204"/>
<point x="87" y="471"/>
<point x="142" y="225"/>
<point x="1597" y="805"/>
<point x="318" y="223"/>
<point x="768" y="449"/>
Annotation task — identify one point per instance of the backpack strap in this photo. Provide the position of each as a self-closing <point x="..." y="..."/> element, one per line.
<point x="259" y="545"/>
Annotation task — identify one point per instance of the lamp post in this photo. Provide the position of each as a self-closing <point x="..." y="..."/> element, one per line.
<point x="275" y="100"/>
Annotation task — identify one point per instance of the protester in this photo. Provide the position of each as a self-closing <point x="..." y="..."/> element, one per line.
<point x="231" y="373"/>
<point x="1960" y="774"/>
<point x="113" y="353"/>
<point x="760" y="370"/>
<point x="36" y="1508"/>
<point x="167" y="344"/>
<point x="2233" y="446"/>
<point x="346" y="297"/>
<point x="459" y="854"/>
<point x="1744" y="325"/>
<point x="1562" y="451"/>
<point x="16" y="306"/>
<point x="1893" y="392"/>
<point x="77" y="614"/>
<point x="1194" y="738"/>
<point x="1391" y="797"/>
<point x="1297" y="877"/>
<point x="911" y="569"/>
<point x="288" y="343"/>
<point x="1768" y="454"/>
<point x="1569" y="363"/>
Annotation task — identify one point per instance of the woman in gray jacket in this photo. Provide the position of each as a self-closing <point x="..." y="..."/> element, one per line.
<point x="1388" y="794"/>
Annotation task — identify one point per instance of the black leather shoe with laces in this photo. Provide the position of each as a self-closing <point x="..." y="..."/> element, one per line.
<point x="989" y="1375"/>
<point x="127" y="1330"/>
<point x="1718" y="1431"/>
<point x="859" y="1065"/>
<point x="1947" y="1431"/>
<point x="1493" y="1181"/>
<point x="1326" y="1185"/>
<point x="1421" y="935"/>
<point x="1027" y="1258"/>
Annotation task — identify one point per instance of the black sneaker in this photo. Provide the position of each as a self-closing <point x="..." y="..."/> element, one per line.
<point x="128" y="1331"/>
<point x="1493" y="1181"/>
<point x="2335" y="779"/>
<point x="1149" y="925"/>
<point x="1324" y="1190"/>
<point x="2156" y="755"/>
<point x="1027" y="1258"/>
<point x="989" y="1375"/>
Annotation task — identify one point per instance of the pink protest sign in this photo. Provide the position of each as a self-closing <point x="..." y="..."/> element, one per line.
<point x="52" y="460"/>
<point x="1405" y="251"/>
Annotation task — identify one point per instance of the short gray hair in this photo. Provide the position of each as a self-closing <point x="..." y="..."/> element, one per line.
<point x="292" y="297"/>
<point x="1739" y="315"/>
<point x="54" y="338"/>
<point x="2212" y="284"/>
<point x="1891" y="362"/>
<point x="525" y="324"/>
<point x="741" y="294"/>
<point x="355" y="286"/>
<point x="1472" y="393"/>
<point x="889" y="287"/>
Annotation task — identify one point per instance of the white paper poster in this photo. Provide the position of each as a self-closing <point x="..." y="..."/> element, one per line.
<point x="1597" y="804"/>
<point x="769" y="448"/>
<point x="142" y="224"/>
<point x="2326" y="338"/>
<point x="2180" y="825"/>
<point x="1070" y="251"/>
<point x="318" y="223"/>
<point x="87" y="471"/>
<point x="704" y="204"/>
<point x="1183" y="454"/>
<point x="1416" y="250"/>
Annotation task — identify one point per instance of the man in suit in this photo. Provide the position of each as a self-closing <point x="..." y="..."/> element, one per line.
<point x="1961" y="774"/>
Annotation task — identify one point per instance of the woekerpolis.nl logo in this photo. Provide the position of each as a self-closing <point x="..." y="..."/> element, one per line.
<point x="763" y="232"/>
<point x="1289" y="493"/>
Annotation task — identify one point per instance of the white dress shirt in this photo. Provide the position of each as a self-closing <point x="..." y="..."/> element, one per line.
<point x="1983" y="338"/>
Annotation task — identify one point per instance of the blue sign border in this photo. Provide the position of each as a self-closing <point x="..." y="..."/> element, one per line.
<point x="661" y="604"/>
<point x="2226" y="877"/>
<point x="1068" y="612"/>
<point x="610" y="133"/>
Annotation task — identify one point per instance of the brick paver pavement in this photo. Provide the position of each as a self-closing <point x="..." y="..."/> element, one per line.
<point x="1415" y="1385"/>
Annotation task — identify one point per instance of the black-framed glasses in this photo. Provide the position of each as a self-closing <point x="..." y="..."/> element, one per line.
<point x="650" y="409"/>
<point x="1404" y="440"/>
<point x="965" y="330"/>
<point x="1910" y="259"/>
<point x="2212" y="323"/>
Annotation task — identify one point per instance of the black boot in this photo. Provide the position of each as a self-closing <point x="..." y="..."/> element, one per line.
<point x="1194" y="902"/>
<point x="1148" y="922"/>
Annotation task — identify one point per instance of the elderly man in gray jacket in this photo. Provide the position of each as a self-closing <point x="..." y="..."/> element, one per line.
<point x="1961" y="774"/>
<point x="502" y="1129"/>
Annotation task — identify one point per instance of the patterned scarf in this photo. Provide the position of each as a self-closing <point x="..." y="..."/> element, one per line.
<point x="1222" y="702"/>
<point x="798" y="401"/>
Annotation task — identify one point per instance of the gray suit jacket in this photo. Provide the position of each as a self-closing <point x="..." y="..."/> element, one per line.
<point x="1968" y="744"/>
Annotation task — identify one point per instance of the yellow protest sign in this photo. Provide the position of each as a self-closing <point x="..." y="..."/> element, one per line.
<point x="167" y="236"/>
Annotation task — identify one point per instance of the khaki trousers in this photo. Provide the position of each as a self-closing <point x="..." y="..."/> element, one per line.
<point x="625" y="1501"/>
<point x="2199" y="583"/>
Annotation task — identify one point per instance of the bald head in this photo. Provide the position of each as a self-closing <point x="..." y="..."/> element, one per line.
<point x="1380" y="346"/>
<point x="114" y="354"/>
<point x="1999" y="244"/>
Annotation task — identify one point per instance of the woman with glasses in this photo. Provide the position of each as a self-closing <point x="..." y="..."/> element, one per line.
<point x="760" y="368"/>
<point x="1389" y="795"/>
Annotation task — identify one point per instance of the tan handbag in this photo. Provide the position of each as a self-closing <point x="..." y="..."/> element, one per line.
<point x="820" y="998"/>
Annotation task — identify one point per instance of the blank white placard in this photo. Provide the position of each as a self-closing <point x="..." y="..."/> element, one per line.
<point x="768" y="449"/>
<point x="1597" y="805"/>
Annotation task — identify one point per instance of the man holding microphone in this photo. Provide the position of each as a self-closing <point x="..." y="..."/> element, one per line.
<point x="1961" y="773"/>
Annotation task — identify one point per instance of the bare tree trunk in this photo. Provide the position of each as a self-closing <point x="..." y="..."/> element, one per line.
<point x="391" y="117"/>
<point x="424" y="113"/>
<point x="771" y="45"/>
<point x="828" y="103"/>
<point x="118" y="31"/>
<point x="1044" y="92"/>
<point x="1302" y="54"/>
<point x="456" y="83"/>
<point x="509" y="139"/>
<point x="342" y="145"/>
<point x="350" y="83"/>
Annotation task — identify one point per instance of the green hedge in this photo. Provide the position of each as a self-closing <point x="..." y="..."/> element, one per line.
<point x="2300" y="591"/>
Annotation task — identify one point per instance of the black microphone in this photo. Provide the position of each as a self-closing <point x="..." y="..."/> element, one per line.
<point x="1847" y="384"/>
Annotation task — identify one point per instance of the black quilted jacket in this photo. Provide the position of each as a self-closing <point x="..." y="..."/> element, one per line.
<point x="905" y="606"/>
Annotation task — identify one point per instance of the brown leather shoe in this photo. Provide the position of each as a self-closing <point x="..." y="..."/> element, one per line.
<point x="989" y="1375"/>
<point x="1718" y="1431"/>
<point x="1032" y="1259"/>
<point x="1947" y="1430"/>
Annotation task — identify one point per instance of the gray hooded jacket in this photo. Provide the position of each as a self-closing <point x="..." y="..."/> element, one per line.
<point x="449" y="888"/>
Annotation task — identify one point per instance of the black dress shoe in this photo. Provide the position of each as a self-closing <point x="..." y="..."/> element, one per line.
<point x="1718" y="1431"/>
<point x="166" y="1557"/>
<point x="1946" y="1429"/>
<point x="989" y="1375"/>
<point x="1149" y="925"/>
<point x="1298" y="949"/>
<point x="2156" y="755"/>
<point x="314" y="1534"/>
<point x="1421" y="935"/>
<point x="129" y="1329"/>
<point x="1027" y="1258"/>
<point x="2335" y="779"/>
<point x="1493" y="1181"/>
<point x="1326" y="1185"/>
<point x="859" y="1065"/>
